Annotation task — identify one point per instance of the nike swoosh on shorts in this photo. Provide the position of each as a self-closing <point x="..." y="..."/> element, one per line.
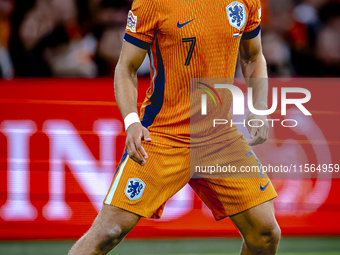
<point x="263" y="188"/>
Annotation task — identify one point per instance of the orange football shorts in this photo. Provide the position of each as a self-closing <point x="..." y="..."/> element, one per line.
<point x="144" y="190"/>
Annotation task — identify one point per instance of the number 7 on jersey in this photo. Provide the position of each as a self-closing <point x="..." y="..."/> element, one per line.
<point x="191" y="50"/>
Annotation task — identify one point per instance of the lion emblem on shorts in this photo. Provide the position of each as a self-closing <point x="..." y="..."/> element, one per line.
<point x="134" y="188"/>
<point x="236" y="14"/>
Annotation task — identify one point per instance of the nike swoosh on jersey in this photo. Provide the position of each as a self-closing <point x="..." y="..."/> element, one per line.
<point x="263" y="188"/>
<point x="182" y="25"/>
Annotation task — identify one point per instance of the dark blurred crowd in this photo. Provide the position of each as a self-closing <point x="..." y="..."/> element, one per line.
<point x="302" y="37"/>
<point x="83" y="38"/>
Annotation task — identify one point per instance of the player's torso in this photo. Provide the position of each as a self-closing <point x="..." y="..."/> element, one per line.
<point x="194" y="39"/>
<point x="212" y="25"/>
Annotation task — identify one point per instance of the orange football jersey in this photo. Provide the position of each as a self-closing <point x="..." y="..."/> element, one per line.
<point x="188" y="39"/>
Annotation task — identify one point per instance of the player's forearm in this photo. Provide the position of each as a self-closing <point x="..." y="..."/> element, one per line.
<point x="126" y="90"/>
<point x="255" y="74"/>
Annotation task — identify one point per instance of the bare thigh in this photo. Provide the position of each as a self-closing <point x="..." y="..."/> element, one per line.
<point x="108" y="229"/>
<point x="257" y="220"/>
<point x="111" y="218"/>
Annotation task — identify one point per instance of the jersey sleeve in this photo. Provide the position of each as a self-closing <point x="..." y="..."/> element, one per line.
<point x="253" y="25"/>
<point x="142" y="23"/>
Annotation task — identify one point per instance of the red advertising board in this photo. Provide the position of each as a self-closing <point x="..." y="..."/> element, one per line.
<point x="61" y="140"/>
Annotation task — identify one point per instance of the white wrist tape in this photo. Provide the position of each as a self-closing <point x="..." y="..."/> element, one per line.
<point x="130" y="119"/>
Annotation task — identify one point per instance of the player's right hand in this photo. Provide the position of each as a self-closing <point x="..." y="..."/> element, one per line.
<point x="135" y="134"/>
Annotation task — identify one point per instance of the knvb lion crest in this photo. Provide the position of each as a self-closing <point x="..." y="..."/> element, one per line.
<point x="134" y="188"/>
<point x="236" y="15"/>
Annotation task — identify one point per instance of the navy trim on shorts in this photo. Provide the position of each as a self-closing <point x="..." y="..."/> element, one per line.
<point x="121" y="161"/>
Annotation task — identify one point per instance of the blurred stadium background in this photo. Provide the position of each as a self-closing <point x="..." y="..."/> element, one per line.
<point x="61" y="135"/>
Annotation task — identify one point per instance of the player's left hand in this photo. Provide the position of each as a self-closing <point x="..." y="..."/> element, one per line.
<point x="259" y="130"/>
